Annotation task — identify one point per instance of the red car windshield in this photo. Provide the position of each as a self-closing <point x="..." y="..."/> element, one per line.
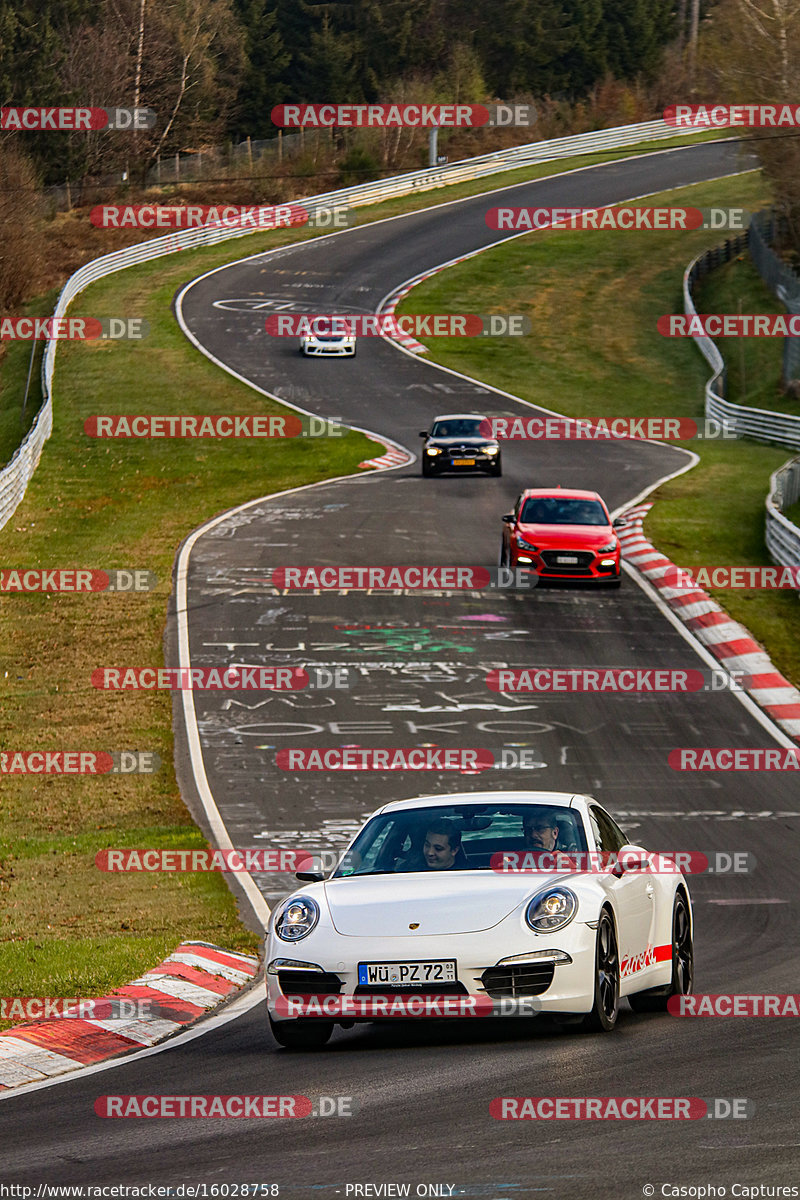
<point x="546" y="510"/>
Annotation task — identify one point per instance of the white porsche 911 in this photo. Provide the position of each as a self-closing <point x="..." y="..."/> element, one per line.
<point x="495" y="895"/>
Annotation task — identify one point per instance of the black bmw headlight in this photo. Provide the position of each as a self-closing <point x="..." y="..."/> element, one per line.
<point x="296" y="918"/>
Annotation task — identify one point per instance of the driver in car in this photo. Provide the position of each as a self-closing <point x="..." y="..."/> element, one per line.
<point x="540" y="830"/>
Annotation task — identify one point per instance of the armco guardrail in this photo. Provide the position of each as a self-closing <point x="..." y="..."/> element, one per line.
<point x="14" y="478"/>
<point x="781" y="536"/>
<point x="758" y="423"/>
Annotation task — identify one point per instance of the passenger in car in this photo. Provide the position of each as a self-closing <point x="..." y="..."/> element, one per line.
<point x="441" y="851"/>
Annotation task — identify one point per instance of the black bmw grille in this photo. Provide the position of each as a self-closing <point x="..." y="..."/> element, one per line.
<point x="528" y="979"/>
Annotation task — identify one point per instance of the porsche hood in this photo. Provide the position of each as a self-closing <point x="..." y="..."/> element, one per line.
<point x="448" y="902"/>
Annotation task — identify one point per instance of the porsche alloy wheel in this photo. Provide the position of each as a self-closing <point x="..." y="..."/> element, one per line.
<point x="682" y="981"/>
<point x="603" y="1015"/>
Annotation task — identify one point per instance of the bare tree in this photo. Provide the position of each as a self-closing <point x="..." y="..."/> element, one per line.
<point x="751" y="54"/>
<point x="95" y="69"/>
<point x="20" y="236"/>
<point x="193" y="60"/>
<point x="775" y="23"/>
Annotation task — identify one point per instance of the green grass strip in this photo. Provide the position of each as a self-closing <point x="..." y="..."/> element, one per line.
<point x="594" y="299"/>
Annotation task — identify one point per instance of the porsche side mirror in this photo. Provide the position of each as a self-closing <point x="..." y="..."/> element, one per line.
<point x="423" y="433"/>
<point x="632" y="859"/>
<point x="619" y="522"/>
<point x="309" y="876"/>
<point x="508" y="518"/>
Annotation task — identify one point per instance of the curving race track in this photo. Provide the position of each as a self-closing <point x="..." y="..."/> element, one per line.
<point x="423" y="1093"/>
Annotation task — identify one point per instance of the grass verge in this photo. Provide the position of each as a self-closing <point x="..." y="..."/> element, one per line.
<point x="114" y="504"/>
<point x="594" y="299"/>
<point x="753" y="364"/>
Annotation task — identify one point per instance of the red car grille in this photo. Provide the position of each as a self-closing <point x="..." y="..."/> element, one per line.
<point x="585" y="558"/>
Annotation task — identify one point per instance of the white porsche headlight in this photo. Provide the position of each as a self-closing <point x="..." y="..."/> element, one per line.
<point x="296" y="919"/>
<point x="551" y="909"/>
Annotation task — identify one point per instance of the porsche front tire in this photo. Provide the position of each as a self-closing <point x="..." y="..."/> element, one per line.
<point x="300" y="1034"/>
<point x="604" y="1011"/>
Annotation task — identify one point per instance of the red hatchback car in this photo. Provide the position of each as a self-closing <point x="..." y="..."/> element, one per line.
<point x="562" y="533"/>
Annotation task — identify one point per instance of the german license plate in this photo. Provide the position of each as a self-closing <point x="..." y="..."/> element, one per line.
<point x="463" y="462"/>
<point x="398" y="974"/>
<point x="566" y="558"/>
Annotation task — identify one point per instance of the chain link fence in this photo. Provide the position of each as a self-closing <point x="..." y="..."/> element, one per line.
<point x="781" y="536"/>
<point x="784" y="283"/>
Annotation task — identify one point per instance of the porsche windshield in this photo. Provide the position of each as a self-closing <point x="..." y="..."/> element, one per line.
<point x="461" y="837"/>
<point x="547" y="510"/>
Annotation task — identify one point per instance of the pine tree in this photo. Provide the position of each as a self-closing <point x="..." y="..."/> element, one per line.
<point x="636" y="33"/>
<point x="264" y="84"/>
